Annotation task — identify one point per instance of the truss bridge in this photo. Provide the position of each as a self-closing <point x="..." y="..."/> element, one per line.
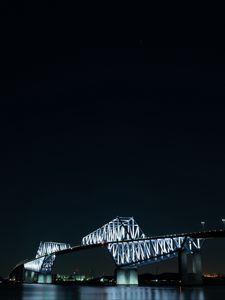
<point x="129" y="247"/>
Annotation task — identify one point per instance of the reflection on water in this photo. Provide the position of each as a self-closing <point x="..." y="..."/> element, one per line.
<point x="49" y="292"/>
<point x="192" y="294"/>
<point x="139" y="293"/>
<point x="57" y="292"/>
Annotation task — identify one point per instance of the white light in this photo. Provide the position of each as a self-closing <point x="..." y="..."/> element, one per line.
<point x="121" y="234"/>
<point x="43" y="260"/>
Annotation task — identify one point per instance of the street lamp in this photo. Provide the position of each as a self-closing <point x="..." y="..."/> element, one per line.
<point x="203" y="224"/>
<point x="223" y="220"/>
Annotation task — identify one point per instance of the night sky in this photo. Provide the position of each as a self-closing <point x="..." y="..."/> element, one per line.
<point x="91" y="130"/>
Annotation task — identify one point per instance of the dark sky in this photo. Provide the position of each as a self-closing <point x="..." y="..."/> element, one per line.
<point x="92" y="129"/>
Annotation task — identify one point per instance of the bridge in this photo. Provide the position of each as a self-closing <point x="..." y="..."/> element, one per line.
<point x="130" y="249"/>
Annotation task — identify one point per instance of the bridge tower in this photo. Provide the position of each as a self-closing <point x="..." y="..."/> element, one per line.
<point x="131" y="248"/>
<point x="38" y="270"/>
<point x="118" y="230"/>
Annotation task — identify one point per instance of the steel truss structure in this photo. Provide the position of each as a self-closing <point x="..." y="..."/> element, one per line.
<point x="129" y="246"/>
<point x="44" y="258"/>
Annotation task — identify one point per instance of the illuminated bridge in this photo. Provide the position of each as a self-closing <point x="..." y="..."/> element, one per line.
<point x="129" y="247"/>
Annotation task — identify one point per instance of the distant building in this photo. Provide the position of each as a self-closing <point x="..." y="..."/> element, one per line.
<point x="71" y="278"/>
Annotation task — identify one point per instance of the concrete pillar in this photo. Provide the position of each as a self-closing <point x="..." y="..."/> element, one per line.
<point x="44" y="278"/>
<point x="29" y="276"/>
<point x="197" y="267"/>
<point x="126" y="277"/>
<point x="183" y="269"/>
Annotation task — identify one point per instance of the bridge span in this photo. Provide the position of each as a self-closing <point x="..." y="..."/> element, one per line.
<point x="130" y="249"/>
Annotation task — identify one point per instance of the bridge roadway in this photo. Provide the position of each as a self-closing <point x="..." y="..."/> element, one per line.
<point x="198" y="234"/>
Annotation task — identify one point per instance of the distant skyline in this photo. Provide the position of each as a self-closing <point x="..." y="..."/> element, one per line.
<point x="90" y="133"/>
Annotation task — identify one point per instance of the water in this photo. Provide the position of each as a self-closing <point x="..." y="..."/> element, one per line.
<point x="56" y="292"/>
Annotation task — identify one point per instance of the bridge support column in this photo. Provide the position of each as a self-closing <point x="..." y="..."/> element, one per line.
<point x="197" y="267"/>
<point x="196" y="277"/>
<point x="30" y="276"/>
<point x="183" y="270"/>
<point x="126" y="277"/>
<point x="44" y="278"/>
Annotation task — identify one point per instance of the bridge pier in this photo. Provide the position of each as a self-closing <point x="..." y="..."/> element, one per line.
<point x="34" y="277"/>
<point x="197" y="267"/>
<point x="126" y="276"/>
<point x="183" y="268"/>
<point x="44" y="278"/>
<point x="30" y="276"/>
<point x="196" y="277"/>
